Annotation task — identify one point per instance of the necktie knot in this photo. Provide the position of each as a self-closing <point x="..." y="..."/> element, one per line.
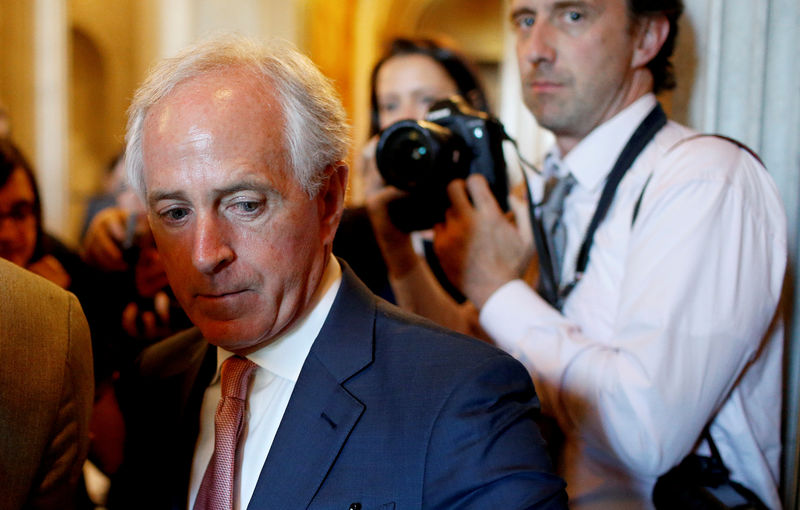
<point x="551" y="212"/>
<point x="556" y="190"/>
<point x="236" y="372"/>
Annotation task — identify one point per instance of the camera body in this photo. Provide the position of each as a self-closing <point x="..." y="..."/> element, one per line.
<point x="423" y="157"/>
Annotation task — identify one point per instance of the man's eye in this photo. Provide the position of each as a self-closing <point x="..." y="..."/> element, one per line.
<point x="573" y="16"/>
<point x="248" y="207"/>
<point x="176" y="214"/>
<point x="524" y="21"/>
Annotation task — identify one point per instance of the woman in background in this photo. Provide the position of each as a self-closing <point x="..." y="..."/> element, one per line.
<point x="405" y="82"/>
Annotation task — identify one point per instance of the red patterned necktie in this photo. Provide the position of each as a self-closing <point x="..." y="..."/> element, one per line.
<point x="216" y="489"/>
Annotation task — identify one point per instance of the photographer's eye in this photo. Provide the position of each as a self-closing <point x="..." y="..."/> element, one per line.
<point x="523" y="21"/>
<point x="427" y="101"/>
<point x="573" y="16"/>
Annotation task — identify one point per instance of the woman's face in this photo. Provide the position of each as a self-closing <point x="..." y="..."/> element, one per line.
<point x="17" y="219"/>
<point x="407" y="85"/>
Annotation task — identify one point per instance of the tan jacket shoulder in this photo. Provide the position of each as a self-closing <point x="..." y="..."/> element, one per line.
<point x="47" y="380"/>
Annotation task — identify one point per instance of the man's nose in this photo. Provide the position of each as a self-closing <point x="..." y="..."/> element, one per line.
<point x="211" y="250"/>
<point x="537" y="44"/>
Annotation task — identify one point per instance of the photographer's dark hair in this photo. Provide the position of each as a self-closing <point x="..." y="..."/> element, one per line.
<point x="660" y="66"/>
<point x="12" y="158"/>
<point x="456" y="65"/>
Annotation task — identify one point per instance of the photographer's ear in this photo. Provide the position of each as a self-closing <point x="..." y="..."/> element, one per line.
<point x="651" y="32"/>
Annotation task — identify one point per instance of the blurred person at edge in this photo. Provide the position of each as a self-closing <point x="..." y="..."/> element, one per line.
<point x="673" y="324"/>
<point x="46" y="393"/>
<point x="24" y="241"/>
<point x="118" y="240"/>
<point x="5" y="122"/>
<point x="411" y="76"/>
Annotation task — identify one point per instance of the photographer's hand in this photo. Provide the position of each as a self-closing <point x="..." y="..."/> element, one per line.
<point x="149" y="272"/>
<point x="478" y="246"/>
<point x="49" y="267"/>
<point x="395" y="245"/>
<point x="105" y="235"/>
<point x="148" y="321"/>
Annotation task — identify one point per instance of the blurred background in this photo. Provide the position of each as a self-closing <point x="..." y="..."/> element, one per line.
<point x="68" y="69"/>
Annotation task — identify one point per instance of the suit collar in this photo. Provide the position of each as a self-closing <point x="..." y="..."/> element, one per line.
<point x="286" y="353"/>
<point x="321" y="412"/>
<point x="345" y="343"/>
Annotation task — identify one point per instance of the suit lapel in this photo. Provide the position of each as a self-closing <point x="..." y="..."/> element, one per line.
<point x="321" y="412"/>
<point x="198" y="379"/>
<point x="192" y="365"/>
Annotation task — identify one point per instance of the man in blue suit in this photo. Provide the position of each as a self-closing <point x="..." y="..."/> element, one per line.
<point x="237" y="149"/>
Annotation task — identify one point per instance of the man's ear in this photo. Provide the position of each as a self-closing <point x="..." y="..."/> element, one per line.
<point x="331" y="199"/>
<point x="651" y="34"/>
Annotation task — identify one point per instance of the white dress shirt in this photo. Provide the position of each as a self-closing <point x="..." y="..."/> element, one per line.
<point x="664" y="329"/>
<point x="279" y="365"/>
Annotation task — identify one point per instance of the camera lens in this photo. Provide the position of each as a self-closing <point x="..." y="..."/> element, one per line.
<point x="417" y="154"/>
<point x="411" y="155"/>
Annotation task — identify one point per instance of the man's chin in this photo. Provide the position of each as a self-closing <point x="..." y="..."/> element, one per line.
<point x="232" y="335"/>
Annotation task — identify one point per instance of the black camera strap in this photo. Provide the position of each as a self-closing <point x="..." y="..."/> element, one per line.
<point x="643" y="134"/>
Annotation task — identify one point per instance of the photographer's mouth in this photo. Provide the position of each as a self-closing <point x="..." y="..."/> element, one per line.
<point x="544" y="86"/>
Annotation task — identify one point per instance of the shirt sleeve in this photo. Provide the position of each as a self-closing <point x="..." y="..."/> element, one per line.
<point x="702" y="278"/>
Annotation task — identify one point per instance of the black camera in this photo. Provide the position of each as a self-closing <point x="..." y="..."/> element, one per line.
<point x="422" y="157"/>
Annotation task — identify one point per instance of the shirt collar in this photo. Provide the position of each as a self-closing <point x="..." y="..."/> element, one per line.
<point x="593" y="158"/>
<point x="286" y="355"/>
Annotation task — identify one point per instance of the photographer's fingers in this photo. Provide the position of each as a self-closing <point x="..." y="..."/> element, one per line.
<point x="129" y="315"/>
<point x="161" y="307"/>
<point x="459" y="199"/>
<point x="373" y="182"/>
<point x="149" y="325"/>
<point x="101" y="245"/>
<point x="49" y="267"/>
<point x="395" y="244"/>
<point x="482" y="196"/>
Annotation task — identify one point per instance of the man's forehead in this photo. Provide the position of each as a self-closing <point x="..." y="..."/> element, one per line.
<point x="217" y="91"/>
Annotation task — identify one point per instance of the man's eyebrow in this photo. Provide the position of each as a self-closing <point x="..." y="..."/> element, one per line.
<point x="245" y="186"/>
<point x="519" y="11"/>
<point x="260" y="187"/>
<point x="567" y="4"/>
<point x="157" y="196"/>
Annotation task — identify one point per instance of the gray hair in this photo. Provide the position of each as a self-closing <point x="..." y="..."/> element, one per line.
<point x="316" y="133"/>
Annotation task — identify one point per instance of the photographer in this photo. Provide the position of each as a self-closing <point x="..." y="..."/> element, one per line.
<point x="406" y="82"/>
<point x="663" y="319"/>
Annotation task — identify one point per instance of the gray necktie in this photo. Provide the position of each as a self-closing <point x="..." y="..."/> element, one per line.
<point x="552" y="209"/>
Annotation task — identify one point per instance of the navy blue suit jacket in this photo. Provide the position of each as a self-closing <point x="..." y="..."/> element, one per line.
<point x="389" y="411"/>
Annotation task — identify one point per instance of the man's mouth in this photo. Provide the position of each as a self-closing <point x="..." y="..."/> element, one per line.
<point x="220" y="294"/>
